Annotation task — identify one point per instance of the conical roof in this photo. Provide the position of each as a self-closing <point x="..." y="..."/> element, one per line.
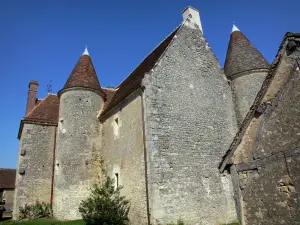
<point x="83" y="74"/>
<point x="242" y="55"/>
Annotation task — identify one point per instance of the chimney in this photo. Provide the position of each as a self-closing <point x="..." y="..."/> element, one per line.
<point x="193" y="14"/>
<point x="31" y="99"/>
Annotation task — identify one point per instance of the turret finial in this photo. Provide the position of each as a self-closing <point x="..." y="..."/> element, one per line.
<point x="86" y="52"/>
<point x="234" y="28"/>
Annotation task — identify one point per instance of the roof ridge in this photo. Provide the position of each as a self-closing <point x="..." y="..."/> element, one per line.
<point x="149" y="54"/>
<point x="134" y="79"/>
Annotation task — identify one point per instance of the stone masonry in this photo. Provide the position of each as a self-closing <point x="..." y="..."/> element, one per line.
<point x="189" y="126"/>
<point x="122" y="150"/>
<point x="265" y="164"/>
<point x="166" y="134"/>
<point x="77" y="136"/>
<point x="35" y="166"/>
<point x="244" y="88"/>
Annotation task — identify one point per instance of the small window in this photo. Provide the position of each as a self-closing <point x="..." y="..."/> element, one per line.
<point x="116" y="126"/>
<point x="117" y="179"/>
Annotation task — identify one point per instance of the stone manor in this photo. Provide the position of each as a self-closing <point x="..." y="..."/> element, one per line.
<point x="186" y="138"/>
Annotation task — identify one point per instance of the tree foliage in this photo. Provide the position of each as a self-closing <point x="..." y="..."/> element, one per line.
<point x="105" y="205"/>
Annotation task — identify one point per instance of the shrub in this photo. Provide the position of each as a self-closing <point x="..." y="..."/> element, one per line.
<point x="179" y="222"/>
<point x="35" y="211"/>
<point x="105" y="205"/>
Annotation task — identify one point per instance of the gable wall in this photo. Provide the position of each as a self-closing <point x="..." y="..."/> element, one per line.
<point x="190" y="123"/>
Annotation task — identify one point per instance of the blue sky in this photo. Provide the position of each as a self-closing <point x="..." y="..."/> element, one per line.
<point x="43" y="39"/>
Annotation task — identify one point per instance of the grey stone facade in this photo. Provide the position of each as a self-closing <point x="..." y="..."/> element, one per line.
<point x="162" y="134"/>
<point x="122" y="149"/>
<point x="34" y="171"/>
<point x="77" y="138"/>
<point x="190" y="122"/>
<point x="245" y="87"/>
<point x="265" y="163"/>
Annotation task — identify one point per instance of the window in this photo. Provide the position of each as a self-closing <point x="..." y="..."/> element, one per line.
<point x="117" y="180"/>
<point x="116" y="126"/>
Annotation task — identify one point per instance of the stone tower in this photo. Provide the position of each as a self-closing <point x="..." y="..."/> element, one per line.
<point x="78" y="130"/>
<point x="246" y="68"/>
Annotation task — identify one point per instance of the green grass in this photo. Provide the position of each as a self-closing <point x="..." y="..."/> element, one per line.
<point x="53" y="222"/>
<point x="42" y="222"/>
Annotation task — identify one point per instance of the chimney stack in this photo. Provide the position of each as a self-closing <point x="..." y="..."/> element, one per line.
<point x="31" y="99"/>
<point x="192" y="14"/>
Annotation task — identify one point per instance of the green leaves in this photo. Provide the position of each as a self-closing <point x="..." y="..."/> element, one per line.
<point x="35" y="211"/>
<point x="105" y="205"/>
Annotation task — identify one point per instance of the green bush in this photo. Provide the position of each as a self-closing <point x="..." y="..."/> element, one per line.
<point x="105" y="205"/>
<point x="35" y="211"/>
<point x="179" y="222"/>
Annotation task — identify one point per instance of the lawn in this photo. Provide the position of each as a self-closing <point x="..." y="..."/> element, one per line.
<point x="52" y="222"/>
<point x="42" y="222"/>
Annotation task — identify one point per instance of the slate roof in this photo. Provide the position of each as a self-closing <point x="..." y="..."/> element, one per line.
<point x="242" y="55"/>
<point x="133" y="81"/>
<point x="83" y="75"/>
<point x="7" y="178"/>
<point x="257" y="102"/>
<point x="45" y="111"/>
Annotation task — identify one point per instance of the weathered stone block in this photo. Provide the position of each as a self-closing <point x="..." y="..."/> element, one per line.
<point x="23" y="152"/>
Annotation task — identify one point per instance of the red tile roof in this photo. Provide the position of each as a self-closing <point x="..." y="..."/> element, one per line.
<point x="46" y="111"/>
<point x="133" y="81"/>
<point x="109" y="93"/>
<point x="83" y="75"/>
<point x="242" y="56"/>
<point x="7" y="178"/>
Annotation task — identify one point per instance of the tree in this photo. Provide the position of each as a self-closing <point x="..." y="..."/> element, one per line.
<point x="105" y="205"/>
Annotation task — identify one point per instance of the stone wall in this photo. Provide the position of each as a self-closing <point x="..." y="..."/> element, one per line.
<point x="77" y="140"/>
<point x="245" y="88"/>
<point x="190" y="123"/>
<point x="35" y="166"/>
<point x="268" y="178"/>
<point x="122" y="150"/>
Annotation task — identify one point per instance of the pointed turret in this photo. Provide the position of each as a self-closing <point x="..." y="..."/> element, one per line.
<point x="242" y="56"/>
<point x="83" y="74"/>
<point x="246" y="68"/>
<point x="77" y="136"/>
